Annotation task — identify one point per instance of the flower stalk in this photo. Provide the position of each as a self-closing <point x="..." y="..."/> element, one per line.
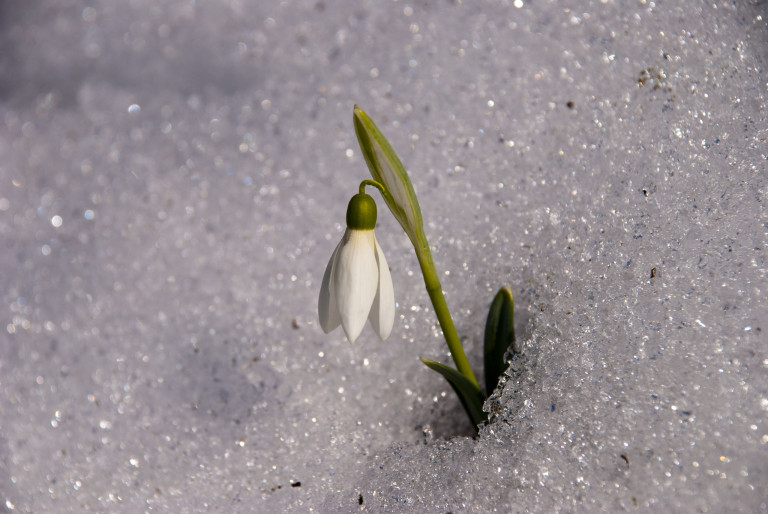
<point x="436" y="296"/>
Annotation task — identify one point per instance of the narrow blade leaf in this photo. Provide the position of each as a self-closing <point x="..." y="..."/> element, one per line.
<point x="470" y="395"/>
<point x="499" y="336"/>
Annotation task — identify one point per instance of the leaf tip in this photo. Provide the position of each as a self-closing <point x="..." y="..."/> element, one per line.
<point x="499" y="336"/>
<point x="506" y="291"/>
<point x="358" y="113"/>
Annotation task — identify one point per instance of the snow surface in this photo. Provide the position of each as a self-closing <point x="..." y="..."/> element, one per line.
<point x="173" y="181"/>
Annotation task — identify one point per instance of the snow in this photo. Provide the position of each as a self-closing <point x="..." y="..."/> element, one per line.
<point x="174" y="178"/>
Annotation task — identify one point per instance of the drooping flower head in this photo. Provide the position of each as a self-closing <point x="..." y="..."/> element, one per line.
<point x="357" y="284"/>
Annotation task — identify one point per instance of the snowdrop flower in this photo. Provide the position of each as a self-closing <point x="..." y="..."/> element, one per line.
<point x="357" y="284"/>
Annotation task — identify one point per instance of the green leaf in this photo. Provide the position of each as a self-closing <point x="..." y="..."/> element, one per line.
<point x="470" y="395"/>
<point x="499" y="336"/>
<point x="386" y="168"/>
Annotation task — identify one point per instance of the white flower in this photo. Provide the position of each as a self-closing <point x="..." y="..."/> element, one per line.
<point x="357" y="284"/>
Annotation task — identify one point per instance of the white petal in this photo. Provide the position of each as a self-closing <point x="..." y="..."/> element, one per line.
<point x="383" y="310"/>
<point x="326" y="304"/>
<point x="356" y="277"/>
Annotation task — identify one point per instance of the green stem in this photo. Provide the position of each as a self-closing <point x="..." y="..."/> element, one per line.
<point x="369" y="182"/>
<point x="435" y="291"/>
